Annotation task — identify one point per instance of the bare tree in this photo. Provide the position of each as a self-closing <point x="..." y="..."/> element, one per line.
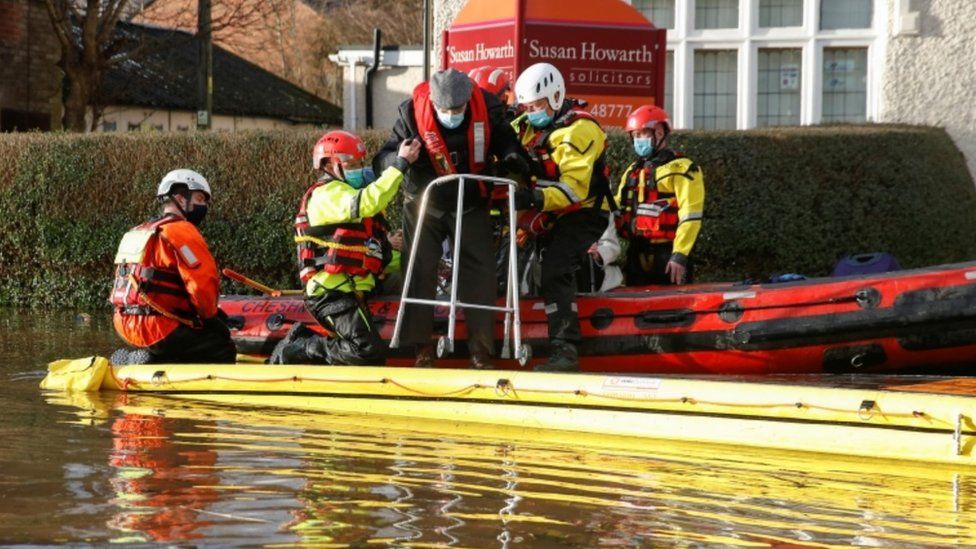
<point x="86" y="32"/>
<point x="90" y="45"/>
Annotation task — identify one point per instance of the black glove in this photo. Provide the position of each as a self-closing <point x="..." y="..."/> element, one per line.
<point x="524" y="199"/>
<point x="516" y="164"/>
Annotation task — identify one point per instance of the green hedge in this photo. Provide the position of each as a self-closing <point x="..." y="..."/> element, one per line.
<point x="790" y="199"/>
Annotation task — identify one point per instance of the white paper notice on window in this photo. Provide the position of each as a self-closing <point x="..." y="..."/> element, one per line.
<point x="789" y="77"/>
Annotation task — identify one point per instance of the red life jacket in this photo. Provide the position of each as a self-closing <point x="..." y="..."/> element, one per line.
<point x="649" y="213"/>
<point x="540" y="152"/>
<point x="141" y="288"/>
<point x="479" y="132"/>
<point x="355" y="248"/>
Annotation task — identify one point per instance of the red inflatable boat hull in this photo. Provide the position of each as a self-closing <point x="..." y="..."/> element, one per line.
<point x="868" y="323"/>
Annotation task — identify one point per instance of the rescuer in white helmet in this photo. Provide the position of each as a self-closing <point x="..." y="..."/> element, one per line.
<point x="167" y="284"/>
<point x="570" y="186"/>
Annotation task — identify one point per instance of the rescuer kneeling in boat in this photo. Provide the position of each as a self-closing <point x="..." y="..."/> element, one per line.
<point x="571" y="187"/>
<point x="661" y="197"/>
<point x="342" y="247"/>
<point x="167" y="284"/>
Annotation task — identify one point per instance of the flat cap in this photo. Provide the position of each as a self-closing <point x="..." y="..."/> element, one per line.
<point x="450" y="88"/>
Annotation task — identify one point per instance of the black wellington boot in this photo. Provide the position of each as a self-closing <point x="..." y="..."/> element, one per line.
<point x="563" y="358"/>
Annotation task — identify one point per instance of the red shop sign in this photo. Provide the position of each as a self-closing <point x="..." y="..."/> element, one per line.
<point x="608" y="53"/>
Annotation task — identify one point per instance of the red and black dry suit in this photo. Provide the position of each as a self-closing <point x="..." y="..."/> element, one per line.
<point x="165" y="294"/>
<point x="465" y="149"/>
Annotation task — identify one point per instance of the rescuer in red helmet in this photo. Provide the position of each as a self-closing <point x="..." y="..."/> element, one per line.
<point x="494" y="81"/>
<point x="342" y="247"/>
<point x="661" y="197"/>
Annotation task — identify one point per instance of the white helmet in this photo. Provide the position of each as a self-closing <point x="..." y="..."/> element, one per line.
<point x="193" y="180"/>
<point x="538" y="81"/>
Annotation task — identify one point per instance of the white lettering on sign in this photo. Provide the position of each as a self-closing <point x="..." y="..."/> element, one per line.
<point x="498" y="52"/>
<point x="613" y="77"/>
<point x="591" y="51"/>
<point x="536" y="49"/>
<point x="480" y="52"/>
<point x="610" y="110"/>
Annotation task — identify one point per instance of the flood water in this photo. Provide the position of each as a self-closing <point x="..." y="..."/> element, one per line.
<point x="100" y="468"/>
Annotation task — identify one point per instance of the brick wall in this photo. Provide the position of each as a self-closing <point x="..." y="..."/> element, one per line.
<point x="29" y="51"/>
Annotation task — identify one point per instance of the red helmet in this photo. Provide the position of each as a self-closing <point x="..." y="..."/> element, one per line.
<point x="493" y="80"/>
<point x="338" y="144"/>
<point x="647" y="116"/>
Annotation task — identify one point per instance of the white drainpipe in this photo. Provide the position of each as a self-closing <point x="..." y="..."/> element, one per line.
<point x="352" y="63"/>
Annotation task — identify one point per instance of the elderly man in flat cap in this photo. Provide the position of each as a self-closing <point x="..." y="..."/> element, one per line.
<point x="462" y="128"/>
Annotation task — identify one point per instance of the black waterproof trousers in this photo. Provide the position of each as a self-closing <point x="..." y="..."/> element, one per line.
<point x="563" y="255"/>
<point x="477" y="282"/>
<point x="210" y="343"/>
<point x="354" y="339"/>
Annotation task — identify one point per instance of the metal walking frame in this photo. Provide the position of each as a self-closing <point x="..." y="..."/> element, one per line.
<point x="513" y="322"/>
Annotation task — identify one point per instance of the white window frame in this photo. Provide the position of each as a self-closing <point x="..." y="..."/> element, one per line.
<point x="748" y="38"/>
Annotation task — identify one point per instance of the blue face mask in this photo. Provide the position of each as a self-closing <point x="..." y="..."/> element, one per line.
<point x="358" y="179"/>
<point x="643" y="146"/>
<point x="448" y="120"/>
<point x="539" y="118"/>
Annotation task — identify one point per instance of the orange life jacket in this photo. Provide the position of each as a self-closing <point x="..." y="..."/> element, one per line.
<point x="142" y="288"/>
<point x="479" y="132"/>
<point x="354" y="248"/>
<point x="649" y="213"/>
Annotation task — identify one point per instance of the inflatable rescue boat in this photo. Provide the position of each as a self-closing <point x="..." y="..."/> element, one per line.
<point x="896" y="321"/>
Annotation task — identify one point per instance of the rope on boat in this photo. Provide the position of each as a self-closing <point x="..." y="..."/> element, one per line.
<point x="506" y="389"/>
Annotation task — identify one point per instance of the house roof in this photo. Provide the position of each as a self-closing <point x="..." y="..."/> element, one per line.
<point x="162" y="73"/>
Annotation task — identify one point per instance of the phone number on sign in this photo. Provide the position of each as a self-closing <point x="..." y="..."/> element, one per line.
<point x="611" y="109"/>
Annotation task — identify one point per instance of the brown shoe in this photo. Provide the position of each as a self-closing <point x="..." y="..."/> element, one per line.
<point x="425" y="356"/>
<point x="482" y="361"/>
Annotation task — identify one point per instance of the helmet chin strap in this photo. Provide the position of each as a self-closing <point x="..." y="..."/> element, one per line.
<point x="186" y="196"/>
<point x="659" y="143"/>
<point x="338" y="172"/>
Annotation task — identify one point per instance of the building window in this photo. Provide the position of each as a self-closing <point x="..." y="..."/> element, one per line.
<point x="134" y="127"/>
<point x="778" y="90"/>
<point x="669" y="82"/>
<point x="715" y="89"/>
<point x="845" y="84"/>
<point x="716" y="14"/>
<point x="109" y="125"/>
<point x="845" y="14"/>
<point x="659" y="12"/>
<point x="780" y="13"/>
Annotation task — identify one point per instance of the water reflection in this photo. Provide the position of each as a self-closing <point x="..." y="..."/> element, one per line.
<point x="91" y="469"/>
<point x="161" y="489"/>
<point x="186" y="469"/>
